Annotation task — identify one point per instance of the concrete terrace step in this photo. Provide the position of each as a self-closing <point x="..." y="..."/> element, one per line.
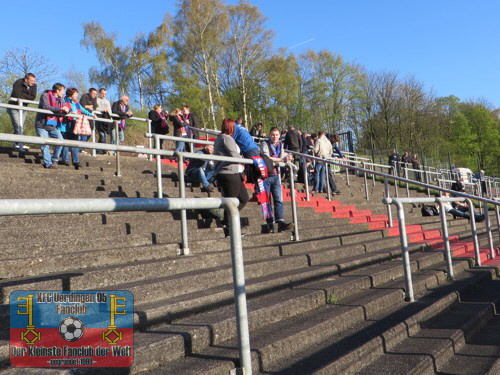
<point x="434" y="346"/>
<point x="287" y="338"/>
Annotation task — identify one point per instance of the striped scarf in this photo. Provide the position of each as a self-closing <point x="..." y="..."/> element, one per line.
<point x="260" y="188"/>
<point x="54" y="102"/>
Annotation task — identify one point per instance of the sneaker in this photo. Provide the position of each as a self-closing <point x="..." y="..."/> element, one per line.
<point x="337" y="192"/>
<point x="77" y="166"/>
<point x="26" y="148"/>
<point x="284" y="226"/>
<point x="52" y="166"/>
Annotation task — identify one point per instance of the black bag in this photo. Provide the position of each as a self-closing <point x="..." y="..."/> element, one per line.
<point x="429" y="210"/>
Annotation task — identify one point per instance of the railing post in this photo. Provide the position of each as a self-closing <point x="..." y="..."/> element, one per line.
<point x="365" y="179"/>
<point x="373" y="175"/>
<point x="405" y="253"/>
<point x="497" y="212"/>
<point x="396" y="192"/>
<point x="158" y="167"/>
<point x="446" y="240"/>
<point x="347" y="175"/>
<point x="117" y="153"/>
<point x="387" y="195"/>
<point x="240" y="301"/>
<point x="306" y="178"/>
<point x="488" y="230"/>
<point x="426" y="177"/>
<point x="407" y="186"/>
<point x="150" y="141"/>
<point x="184" y="250"/>
<point x="327" y="176"/>
<point x="294" y="204"/>
<point x="474" y="231"/>
<point x="93" y="138"/>
<point x="21" y="122"/>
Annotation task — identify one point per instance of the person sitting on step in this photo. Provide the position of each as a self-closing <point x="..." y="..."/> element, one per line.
<point x="201" y="171"/>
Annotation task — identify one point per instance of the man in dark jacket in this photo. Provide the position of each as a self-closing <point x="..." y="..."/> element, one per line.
<point x="201" y="171"/>
<point x="89" y="100"/>
<point x="23" y="88"/>
<point x="293" y="140"/>
<point x="121" y="109"/>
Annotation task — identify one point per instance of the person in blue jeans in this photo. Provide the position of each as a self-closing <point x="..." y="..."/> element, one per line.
<point x="46" y="125"/>
<point x="322" y="149"/>
<point x="202" y="171"/>
<point x="71" y="102"/>
<point x="272" y="148"/>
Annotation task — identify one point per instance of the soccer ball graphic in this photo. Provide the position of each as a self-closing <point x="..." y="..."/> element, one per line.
<point x="71" y="328"/>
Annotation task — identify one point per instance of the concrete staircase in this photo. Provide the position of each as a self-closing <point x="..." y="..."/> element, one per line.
<point x="331" y="303"/>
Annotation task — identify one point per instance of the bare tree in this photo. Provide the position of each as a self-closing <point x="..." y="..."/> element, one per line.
<point x="16" y="62"/>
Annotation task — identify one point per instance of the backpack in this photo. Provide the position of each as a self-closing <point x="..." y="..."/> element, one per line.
<point x="429" y="210"/>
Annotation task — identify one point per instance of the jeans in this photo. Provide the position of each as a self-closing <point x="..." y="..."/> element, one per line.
<point x="74" y="150"/>
<point x="49" y="133"/>
<point x="180" y="146"/>
<point x="273" y="187"/>
<point x="333" y="185"/>
<point x="198" y="175"/>
<point x="319" y="177"/>
<point x="121" y="136"/>
<point x="465" y="214"/>
<point x="17" y="124"/>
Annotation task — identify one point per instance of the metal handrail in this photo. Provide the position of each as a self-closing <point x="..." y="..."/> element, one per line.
<point x="21" y="108"/>
<point x="9" y="207"/>
<point x="398" y="202"/>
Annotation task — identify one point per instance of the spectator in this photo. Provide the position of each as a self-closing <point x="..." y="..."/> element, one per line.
<point x="191" y="120"/>
<point x="229" y="175"/>
<point x="159" y="124"/>
<point x="180" y="129"/>
<point x="239" y="122"/>
<point x="335" y="142"/>
<point x="67" y="127"/>
<point x="256" y="130"/>
<point x="103" y="128"/>
<point x="322" y="149"/>
<point x="460" y="209"/>
<point x="394" y="161"/>
<point x="293" y="140"/>
<point x="46" y="125"/>
<point x="311" y="142"/>
<point x="273" y="149"/>
<point x="482" y="181"/>
<point x="245" y="142"/>
<point x="415" y="164"/>
<point x="201" y="171"/>
<point x="89" y="102"/>
<point x="23" y="88"/>
<point x="123" y="111"/>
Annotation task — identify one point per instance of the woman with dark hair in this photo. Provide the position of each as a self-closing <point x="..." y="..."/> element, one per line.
<point x="159" y="124"/>
<point x="71" y="102"/>
<point x="180" y="128"/>
<point x="229" y="175"/>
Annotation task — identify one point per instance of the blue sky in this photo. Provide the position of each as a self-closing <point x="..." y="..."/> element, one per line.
<point x="450" y="46"/>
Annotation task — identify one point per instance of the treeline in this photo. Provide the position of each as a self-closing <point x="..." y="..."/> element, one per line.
<point x="220" y="59"/>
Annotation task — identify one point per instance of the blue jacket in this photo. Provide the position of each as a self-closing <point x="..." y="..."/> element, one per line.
<point x="243" y="139"/>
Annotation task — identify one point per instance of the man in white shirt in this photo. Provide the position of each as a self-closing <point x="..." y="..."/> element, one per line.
<point x="103" y="128"/>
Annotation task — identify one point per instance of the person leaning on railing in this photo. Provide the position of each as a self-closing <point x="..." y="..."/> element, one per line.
<point x="229" y="175"/>
<point x="46" y="126"/>
<point x="103" y="128"/>
<point x="67" y="127"/>
<point x="123" y="111"/>
<point x="322" y="149"/>
<point x="23" y="88"/>
<point x="159" y="124"/>
<point x="180" y="128"/>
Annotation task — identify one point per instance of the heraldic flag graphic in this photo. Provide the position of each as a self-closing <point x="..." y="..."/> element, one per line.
<point x="80" y="328"/>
